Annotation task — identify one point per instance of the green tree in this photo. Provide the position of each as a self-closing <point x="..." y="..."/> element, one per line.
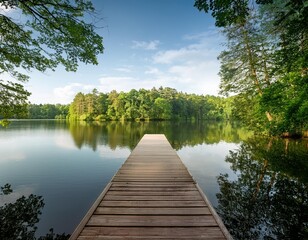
<point x="49" y="33"/>
<point x="77" y="107"/>
<point x="265" y="62"/>
<point x="132" y="104"/>
<point x="162" y="109"/>
<point x="161" y="104"/>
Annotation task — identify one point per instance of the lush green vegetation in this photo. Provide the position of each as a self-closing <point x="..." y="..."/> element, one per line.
<point x="42" y="38"/>
<point x="265" y="62"/>
<point x="47" y="111"/>
<point x="155" y="104"/>
<point x="264" y="65"/>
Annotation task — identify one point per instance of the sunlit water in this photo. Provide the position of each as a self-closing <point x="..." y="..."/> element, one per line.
<point x="69" y="164"/>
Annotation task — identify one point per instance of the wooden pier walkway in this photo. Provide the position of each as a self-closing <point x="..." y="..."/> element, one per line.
<point x="152" y="196"/>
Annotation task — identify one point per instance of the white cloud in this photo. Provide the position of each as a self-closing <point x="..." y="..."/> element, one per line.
<point x="109" y="83"/>
<point x="67" y="93"/>
<point x="192" y="68"/>
<point x="123" y="69"/>
<point x="171" y="56"/>
<point x="199" y="50"/>
<point x="151" y="45"/>
<point x="197" y="78"/>
<point x="153" y="70"/>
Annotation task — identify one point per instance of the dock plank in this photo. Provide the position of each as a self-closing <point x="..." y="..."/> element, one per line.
<point x="152" y="211"/>
<point x="152" y="196"/>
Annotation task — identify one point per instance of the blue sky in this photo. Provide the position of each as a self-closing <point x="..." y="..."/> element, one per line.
<point x="148" y="43"/>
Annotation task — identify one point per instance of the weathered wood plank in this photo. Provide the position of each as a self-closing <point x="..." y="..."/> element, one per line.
<point x="153" y="184"/>
<point x="107" y="203"/>
<point x="152" y="221"/>
<point x="147" y="238"/>
<point x="153" y="196"/>
<point x="162" y="189"/>
<point x="154" y="193"/>
<point x="153" y="231"/>
<point x="119" y="179"/>
<point x="152" y="211"/>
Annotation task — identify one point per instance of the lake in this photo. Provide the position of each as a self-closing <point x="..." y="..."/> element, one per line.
<point x="258" y="185"/>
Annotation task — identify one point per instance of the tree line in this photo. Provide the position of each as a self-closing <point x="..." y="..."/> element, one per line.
<point x="47" y="111"/>
<point x="155" y="104"/>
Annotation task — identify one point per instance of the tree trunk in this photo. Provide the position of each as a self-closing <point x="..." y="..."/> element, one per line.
<point x="253" y="71"/>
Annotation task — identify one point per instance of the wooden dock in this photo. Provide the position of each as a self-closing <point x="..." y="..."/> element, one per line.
<point x="152" y="196"/>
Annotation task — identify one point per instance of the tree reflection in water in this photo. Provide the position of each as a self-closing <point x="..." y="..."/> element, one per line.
<point x="18" y="219"/>
<point x="179" y="134"/>
<point x="269" y="198"/>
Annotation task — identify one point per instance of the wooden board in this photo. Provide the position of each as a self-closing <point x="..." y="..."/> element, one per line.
<point x="152" y="196"/>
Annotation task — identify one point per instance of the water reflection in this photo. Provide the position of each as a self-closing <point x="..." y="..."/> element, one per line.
<point x="265" y="197"/>
<point x="18" y="219"/>
<point x="269" y="199"/>
<point x="180" y="134"/>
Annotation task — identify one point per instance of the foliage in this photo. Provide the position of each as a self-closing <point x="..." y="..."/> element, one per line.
<point x="48" y="33"/>
<point x="18" y="219"/>
<point x="12" y="101"/>
<point x="265" y="61"/>
<point x="154" y="104"/>
<point x="268" y="199"/>
<point x="53" y="236"/>
<point x="291" y="107"/>
<point x="47" y="111"/>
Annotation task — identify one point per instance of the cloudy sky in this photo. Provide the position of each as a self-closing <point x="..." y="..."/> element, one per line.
<point x="148" y="43"/>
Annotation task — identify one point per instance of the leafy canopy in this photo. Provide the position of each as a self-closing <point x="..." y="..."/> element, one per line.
<point x="266" y="60"/>
<point x="41" y="35"/>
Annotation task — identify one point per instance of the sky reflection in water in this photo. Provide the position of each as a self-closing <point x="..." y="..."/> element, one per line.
<point x="70" y="163"/>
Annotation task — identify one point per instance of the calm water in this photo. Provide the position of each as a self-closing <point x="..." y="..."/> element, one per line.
<point x="259" y="188"/>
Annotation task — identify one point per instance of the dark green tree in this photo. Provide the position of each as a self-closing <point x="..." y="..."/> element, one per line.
<point x="265" y="62"/>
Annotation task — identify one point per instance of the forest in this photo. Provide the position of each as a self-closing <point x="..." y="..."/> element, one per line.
<point x="47" y="111"/>
<point x="155" y="104"/>
<point x="265" y="61"/>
